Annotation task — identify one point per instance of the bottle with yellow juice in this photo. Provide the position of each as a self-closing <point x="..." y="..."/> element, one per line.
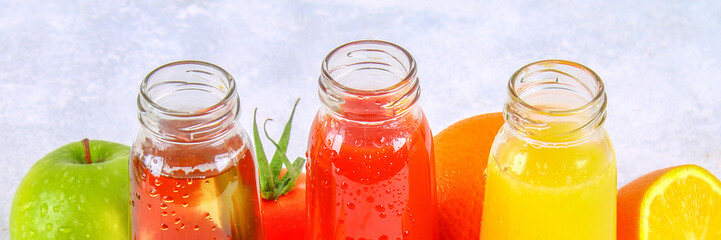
<point x="552" y="169"/>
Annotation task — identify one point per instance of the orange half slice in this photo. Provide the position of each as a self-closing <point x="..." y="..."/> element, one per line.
<point x="680" y="203"/>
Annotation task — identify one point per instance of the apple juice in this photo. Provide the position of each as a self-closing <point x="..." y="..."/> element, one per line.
<point x="192" y="174"/>
<point x="195" y="206"/>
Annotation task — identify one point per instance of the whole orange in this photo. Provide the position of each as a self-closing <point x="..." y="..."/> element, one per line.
<point x="461" y="155"/>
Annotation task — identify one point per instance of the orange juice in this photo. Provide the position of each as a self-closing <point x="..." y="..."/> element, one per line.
<point x="551" y="170"/>
<point x="537" y="192"/>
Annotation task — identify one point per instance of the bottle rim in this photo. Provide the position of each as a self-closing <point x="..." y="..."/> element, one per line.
<point x="226" y="77"/>
<point x="405" y="80"/>
<point x="599" y="94"/>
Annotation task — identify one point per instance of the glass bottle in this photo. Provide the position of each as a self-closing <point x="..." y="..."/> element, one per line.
<point x="192" y="173"/>
<point x="552" y="170"/>
<point x="370" y="173"/>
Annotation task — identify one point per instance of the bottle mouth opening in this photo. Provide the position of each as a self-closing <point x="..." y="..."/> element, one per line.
<point x="574" y="88"/>
<point x="187" y="88"/>
<point x="369" y="67"/>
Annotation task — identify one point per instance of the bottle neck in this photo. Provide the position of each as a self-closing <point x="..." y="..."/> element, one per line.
<point x="369" y="81"/>
<point x="555" y="101"/>
<point x="188" y="102"/>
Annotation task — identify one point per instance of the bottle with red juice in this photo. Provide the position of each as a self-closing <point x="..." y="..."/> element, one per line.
<point x="370" y="172"/>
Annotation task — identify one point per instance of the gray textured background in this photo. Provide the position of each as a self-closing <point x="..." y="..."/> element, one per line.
<point x="70" y="70"/>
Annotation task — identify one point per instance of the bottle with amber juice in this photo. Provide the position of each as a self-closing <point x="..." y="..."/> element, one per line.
<point x="552" y="170"/>
<point x="192" y="173"/>
<point x="370" y="173"/>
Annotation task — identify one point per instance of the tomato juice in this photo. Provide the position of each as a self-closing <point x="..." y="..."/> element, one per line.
<point x="370" y="171"/>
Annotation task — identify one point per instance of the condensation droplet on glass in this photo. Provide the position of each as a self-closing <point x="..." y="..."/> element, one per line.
<point x="380" y="208"/>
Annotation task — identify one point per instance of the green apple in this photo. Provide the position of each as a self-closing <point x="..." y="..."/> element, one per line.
<point x="75" y="192"/>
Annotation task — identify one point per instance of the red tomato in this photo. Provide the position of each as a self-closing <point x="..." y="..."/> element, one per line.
<point x="286" y="219"/>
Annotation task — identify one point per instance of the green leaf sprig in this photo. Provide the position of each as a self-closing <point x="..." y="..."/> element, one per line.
<point x="272" y="185"/>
